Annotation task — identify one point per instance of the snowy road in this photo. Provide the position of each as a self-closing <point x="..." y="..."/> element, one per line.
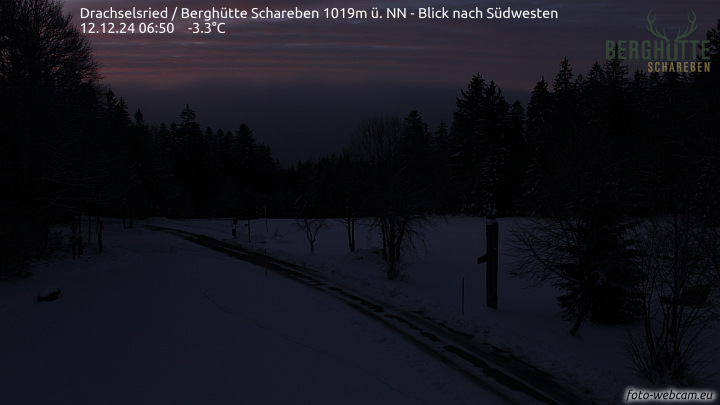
<point x="485" y="365"/>
<point x="159" y="319"/>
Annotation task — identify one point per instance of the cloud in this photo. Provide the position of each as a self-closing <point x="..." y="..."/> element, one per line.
<point x="313" y="79"/>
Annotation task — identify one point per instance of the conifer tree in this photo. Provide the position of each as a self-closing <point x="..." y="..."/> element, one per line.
<point x="482" y="133"/>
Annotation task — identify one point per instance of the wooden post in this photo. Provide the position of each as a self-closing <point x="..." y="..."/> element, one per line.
<point x="491" y="261"/>
<point x="463" y="296"/>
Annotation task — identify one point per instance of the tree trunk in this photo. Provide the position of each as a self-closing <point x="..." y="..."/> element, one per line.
<point x="384" y="231"/>
<point x="351" y="234"/>
<point x="580" y="319"/>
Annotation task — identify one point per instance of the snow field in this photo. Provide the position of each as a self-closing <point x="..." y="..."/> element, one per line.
<point x="156" y="319"/>
<point x="527" y="322"/>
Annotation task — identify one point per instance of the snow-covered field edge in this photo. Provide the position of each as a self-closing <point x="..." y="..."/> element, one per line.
<point x="527" y="323"/>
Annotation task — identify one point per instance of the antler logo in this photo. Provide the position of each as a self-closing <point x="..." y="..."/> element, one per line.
<point x="680" y="35"/>
<point x="665" y="53"/>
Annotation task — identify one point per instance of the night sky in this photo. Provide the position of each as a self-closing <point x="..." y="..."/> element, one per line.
<point x="304" y="85"/>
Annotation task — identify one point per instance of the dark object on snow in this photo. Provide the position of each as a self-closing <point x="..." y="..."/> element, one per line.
<point x="48" y="294"/>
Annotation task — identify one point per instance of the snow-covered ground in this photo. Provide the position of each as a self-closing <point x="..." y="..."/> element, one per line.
<point x="156" y="319"/>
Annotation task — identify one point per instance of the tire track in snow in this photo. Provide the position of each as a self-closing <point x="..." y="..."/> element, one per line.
<point x="263" y="326"/>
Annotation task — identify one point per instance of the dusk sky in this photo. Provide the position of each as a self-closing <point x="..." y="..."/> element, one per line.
<point x="303" y="85"/>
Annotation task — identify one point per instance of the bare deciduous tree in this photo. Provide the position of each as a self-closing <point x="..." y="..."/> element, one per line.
<point x="680" y="299"/>
<point x="311" y="227"/>
<point x="591" y="264"/>
<point x="349" y="224"/>
<point x="397" y="199"/>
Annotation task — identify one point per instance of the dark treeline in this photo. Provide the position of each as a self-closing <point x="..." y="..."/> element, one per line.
<point x="182" y="170"/>
<point x="638" y="144"/>
<point x="68" y="146"/>
<point x="607" y="142"/>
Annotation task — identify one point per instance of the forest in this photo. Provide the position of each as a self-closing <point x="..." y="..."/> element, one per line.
<point x="606" y="143"/>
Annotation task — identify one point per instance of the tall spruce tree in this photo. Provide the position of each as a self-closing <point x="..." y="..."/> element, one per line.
<point x="482" y="137"/>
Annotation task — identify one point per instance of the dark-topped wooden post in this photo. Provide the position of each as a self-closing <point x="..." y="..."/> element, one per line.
<point x="491" y="260"/>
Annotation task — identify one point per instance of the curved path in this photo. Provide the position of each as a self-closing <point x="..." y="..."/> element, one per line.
<point x="491" y="368"/>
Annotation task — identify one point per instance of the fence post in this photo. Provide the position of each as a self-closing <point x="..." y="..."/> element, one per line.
<point x="463" y="296"/>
